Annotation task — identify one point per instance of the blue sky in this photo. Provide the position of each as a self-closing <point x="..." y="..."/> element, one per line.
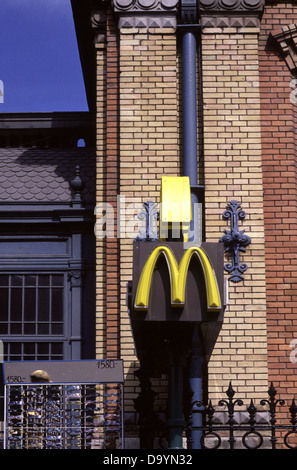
<point x="39" y="60"/>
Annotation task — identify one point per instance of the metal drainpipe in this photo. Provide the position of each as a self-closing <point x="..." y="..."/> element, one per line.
<point x="190" y="156"/>
<point x="175" y="420"/>
<point x="189" y="48"/>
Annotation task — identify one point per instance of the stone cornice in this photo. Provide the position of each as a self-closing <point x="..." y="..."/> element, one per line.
<point x="213" y="13"/>
<point x="146" y="13"/>
<point x="231" y="13"/>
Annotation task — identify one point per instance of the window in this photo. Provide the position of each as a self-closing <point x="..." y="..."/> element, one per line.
<point x="33" y="305"/>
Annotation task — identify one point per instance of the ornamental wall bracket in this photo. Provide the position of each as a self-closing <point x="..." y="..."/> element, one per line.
<point x="98" y="23"/>
<point x="235" y="241"/>
<point x="150" y="214"/>
<point x="76" y="278"/>
<point x="284" y="41"/>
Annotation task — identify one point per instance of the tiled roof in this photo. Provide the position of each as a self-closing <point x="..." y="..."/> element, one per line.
<point x="45" y="174"/>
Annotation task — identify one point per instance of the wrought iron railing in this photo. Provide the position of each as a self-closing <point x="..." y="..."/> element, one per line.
<point x="252" y="428"/>
<point x="83" y="416"/>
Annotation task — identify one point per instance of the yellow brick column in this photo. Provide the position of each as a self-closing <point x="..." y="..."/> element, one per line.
<point x="149" y="134"/>
<point x="232" y="153"/>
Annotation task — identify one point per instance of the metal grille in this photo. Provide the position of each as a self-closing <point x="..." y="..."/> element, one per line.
<point x="32" y="311"/>
<point x="32" y="304"/>
<point x="33" y="350"/>
<point x="64" y="416"/>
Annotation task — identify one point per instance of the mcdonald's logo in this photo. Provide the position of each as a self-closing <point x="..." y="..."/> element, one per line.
<point x="178" y="277"/>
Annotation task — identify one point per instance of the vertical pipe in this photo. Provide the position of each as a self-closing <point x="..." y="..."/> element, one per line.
<point x="190" y="150"/>
<point x="189" y="105"/>
<point x="190" y="139"/>
<point x="175" y="420"/>
<point x="195" y="381"/>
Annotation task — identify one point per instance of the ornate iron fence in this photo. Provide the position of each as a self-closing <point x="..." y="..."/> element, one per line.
<point x="249" y="429"/>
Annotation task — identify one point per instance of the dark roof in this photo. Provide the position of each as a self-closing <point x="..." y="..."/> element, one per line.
<point x="39" y="154"/>
<point x="47" y="129"/>
<point x="44" y="175"/>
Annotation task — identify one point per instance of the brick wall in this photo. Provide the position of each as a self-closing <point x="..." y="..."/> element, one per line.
<point x="108" y="262"/>
<point x="138" y="71"/>
<point x="137" y="143"/>
<point x="112" y="168"/>
<point x="232" y="152"/>
<point x="100" y="197"/>
<point x="149" y="129"/>
<point x="280" y="200"/>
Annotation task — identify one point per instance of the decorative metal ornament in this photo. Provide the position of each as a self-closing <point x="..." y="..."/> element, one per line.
<point x="235" y="241"/>
<point x="77" y="185"/>
<point x="151" y="215"/>
<point x="250" y="428"/>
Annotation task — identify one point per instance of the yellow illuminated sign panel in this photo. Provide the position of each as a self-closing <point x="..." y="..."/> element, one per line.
<point x="175" y="207"/>
<point x="178" y="276"/>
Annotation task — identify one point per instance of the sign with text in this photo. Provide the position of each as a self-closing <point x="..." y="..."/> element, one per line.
<point x="93" y="371"/>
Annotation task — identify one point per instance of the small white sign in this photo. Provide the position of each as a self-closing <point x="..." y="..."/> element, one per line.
<point x="84" y="371"/>
<point x="1" y="92"/>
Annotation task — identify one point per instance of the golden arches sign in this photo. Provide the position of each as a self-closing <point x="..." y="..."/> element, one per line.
<point x="178" y="276"/>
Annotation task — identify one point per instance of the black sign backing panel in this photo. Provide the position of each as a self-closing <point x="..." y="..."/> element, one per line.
<point x="162" y="328"/>
<point x="160" y="308"/>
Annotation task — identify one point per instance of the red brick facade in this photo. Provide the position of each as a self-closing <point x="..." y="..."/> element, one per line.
<point x="112" y="190"/>
<point x="278" y="114"/>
